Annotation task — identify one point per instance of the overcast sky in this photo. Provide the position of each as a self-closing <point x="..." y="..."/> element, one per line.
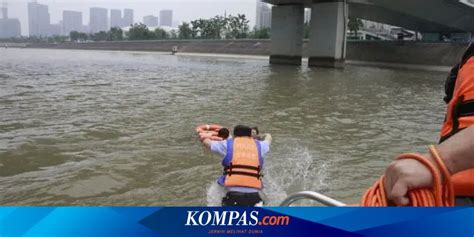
<point x="183" y="10"/>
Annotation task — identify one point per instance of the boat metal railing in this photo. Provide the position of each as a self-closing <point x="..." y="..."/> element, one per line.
<point x="323" y="199"/>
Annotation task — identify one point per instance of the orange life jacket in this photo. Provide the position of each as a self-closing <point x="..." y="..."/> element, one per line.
<point x="243" y="163"/>
<point x="460" y="115"/>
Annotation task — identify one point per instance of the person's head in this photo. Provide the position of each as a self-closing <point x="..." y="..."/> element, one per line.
<point x="223" y="133"/>
<point x="242" y="131"/>
<point x="255" y="132"/>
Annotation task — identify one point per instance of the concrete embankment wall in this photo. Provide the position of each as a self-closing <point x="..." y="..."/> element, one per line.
<point x="419" y="53"/>
<point x="250" y="47"/>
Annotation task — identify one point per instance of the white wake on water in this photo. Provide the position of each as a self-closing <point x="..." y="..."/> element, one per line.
<point x="215" y="193"/>
<point x="297" y="169"/>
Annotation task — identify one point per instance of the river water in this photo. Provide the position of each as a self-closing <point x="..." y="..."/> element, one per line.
<point x="117" y="128"/>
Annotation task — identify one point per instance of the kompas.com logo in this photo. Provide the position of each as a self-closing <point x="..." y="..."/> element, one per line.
<point x="234" y="218"/>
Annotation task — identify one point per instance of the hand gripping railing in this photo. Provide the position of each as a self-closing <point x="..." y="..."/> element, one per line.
<point x="325" y="200"/>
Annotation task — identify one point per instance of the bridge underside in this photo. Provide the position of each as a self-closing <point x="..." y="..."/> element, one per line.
<point x="417" y="15"/>
<point x="327" y="44"/>
<point x="383" y="15"/>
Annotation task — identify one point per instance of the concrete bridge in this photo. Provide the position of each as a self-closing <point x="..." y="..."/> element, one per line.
<point x="327" y="46"/>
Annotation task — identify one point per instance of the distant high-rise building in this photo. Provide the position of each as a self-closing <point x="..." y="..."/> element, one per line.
<point x="127" y="17"/>
<point x="38" y="19"/>
<point x="3" y="10"/>
<point x="85" y="28"/>
<point x="55" y="29"/>
<point x="10" y="28"/>
<point x="72" y="21"/>
<point x="99" y="20"/>
<point x="166" y="18"/>
<point x="116" y="18"/>
<point x="264" y="15"/>
<point x="3" y="13"/>
<point x="150" y="21"/>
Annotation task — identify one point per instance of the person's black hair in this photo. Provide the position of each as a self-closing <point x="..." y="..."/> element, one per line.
<point x="256" y="130"/>
<point x="242" y="131"/>
<point x="223" y="133"/>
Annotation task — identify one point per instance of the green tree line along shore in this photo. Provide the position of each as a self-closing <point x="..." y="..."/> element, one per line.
<point x="218" y="27"/>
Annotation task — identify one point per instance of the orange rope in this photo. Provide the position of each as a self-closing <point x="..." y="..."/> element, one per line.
<point x="441" y="194"/>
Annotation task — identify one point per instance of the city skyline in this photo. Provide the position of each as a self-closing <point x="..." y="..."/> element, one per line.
<point x="182" y="10"/>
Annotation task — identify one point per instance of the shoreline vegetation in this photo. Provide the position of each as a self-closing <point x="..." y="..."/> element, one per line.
<point x="226" y="27"/>
<point x="219" y="27"/>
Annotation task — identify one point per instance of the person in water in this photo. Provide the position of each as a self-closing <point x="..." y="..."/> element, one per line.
<point x="223" y="133"/>
<point x="256" y="134"/>
<point x="243" y="161"/>
<point x="456" y="146"/>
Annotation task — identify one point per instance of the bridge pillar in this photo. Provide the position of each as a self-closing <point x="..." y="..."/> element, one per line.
<point x="287" y="34"/>
<point x="327" y="43"/>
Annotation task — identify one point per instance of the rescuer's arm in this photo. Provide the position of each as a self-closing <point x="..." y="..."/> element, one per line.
<point x="267" y="137"/>
<point x="403" y="175"/>
<point x="207" y="143"/>
<point x="458" y="152"/>
<point x="217" y="147"/>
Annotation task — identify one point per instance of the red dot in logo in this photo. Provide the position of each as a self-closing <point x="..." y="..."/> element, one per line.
<point x="260" y="223"/>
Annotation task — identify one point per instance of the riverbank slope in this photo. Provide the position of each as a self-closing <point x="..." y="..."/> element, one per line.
<point x="417" y="53"/>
